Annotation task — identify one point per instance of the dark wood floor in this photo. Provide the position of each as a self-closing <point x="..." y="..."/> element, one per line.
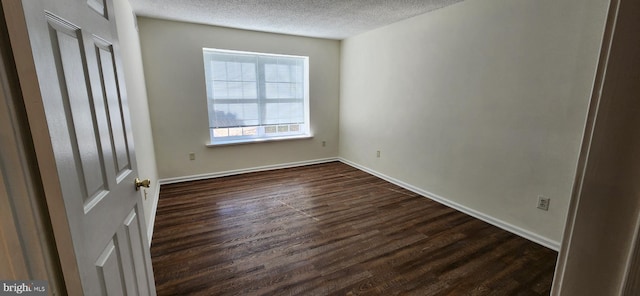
<point x="331" y="229"/>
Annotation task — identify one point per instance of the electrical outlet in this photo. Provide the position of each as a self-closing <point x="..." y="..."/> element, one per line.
<point x="378" y="154"/>
<point x="543" y="203"/>
<point x="192" y="156"/>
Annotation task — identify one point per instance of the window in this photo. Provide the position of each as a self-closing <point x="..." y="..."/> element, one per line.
<point x="256" y="96"/>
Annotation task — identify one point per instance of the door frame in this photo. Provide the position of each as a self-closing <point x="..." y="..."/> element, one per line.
<point x="598" y="252"/>
<point x="26" y="239"/>
<point x="43" y="151"/>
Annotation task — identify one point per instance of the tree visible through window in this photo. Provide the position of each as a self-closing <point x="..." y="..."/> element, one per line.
<point x="256" y="96"/>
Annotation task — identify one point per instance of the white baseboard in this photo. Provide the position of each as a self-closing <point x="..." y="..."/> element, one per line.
<point x="154" y="208"/>
<point x="551" y="244"/>
<point x="244" y="171"/>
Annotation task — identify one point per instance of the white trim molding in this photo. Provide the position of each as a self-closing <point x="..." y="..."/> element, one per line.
<point x="551" y="244"/>
<point x="246" y="170"/>
<point x="154" y="208"/>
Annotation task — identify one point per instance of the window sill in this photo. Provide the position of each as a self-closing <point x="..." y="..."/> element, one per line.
<point x="254" y="141"/>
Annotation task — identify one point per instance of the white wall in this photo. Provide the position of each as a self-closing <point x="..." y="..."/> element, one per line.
<point x="138" y="105"/>
<point x="172" y="54"/>
<point x="482" y="103"/>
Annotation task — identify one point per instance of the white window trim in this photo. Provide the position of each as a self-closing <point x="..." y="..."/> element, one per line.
<point x="259" y="140"/>
<point x="307" y="133"/>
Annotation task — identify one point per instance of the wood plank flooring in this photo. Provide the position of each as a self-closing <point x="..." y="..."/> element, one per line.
<point x="330" y="229"/>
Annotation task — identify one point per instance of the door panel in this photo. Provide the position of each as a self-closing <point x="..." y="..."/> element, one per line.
<point x="113" y="103"/>
<point x="109" y="267"/>
<point x="77" y="64"/>
<point x="78" y="107"/>
<point x="133" y="233"/>
<point x="98" y="6"/>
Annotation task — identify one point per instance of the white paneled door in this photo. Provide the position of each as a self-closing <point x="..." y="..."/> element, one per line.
<point x="75" y="53"/>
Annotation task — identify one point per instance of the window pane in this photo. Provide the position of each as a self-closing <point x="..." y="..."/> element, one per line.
<point x="271" y="114"/>
<point x="270" y="73"/>
<point x="278" y="72"/>
<point x="234" y="71"/>
<point x="219" y="70"/>
<point x="221" y="132"/>
<point x="243" y="112"/>
<point x="223" y="117"/>
<point x="234" y="132"/>
<point x="284" y="91"/>
<point x="296" y="74"/>
<point x="220" y="90"/>
<point x="249" y="90"/>
<point x="234" y="90"/>
<point x="283" y="73"/>
<point x="248" y="72"/>
<point x="297" y="113"/>
<point x="250" y="131"/>
<point x="297" y="91"/>
<point x="271" y="90"/>
<point x="278" y="113"/>
<point x="250" y="114"/>
<point x="270" y="129"/>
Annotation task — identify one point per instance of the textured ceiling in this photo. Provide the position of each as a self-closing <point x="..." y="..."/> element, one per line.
<point x="333" y="19"/>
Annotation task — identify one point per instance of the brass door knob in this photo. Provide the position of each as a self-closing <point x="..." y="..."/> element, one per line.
<point x="142" y="183"/>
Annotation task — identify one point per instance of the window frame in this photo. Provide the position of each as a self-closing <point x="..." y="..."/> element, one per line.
<point x="261" y="100"/>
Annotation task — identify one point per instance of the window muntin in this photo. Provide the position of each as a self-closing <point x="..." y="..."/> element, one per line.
<point x="256" y="96"/>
